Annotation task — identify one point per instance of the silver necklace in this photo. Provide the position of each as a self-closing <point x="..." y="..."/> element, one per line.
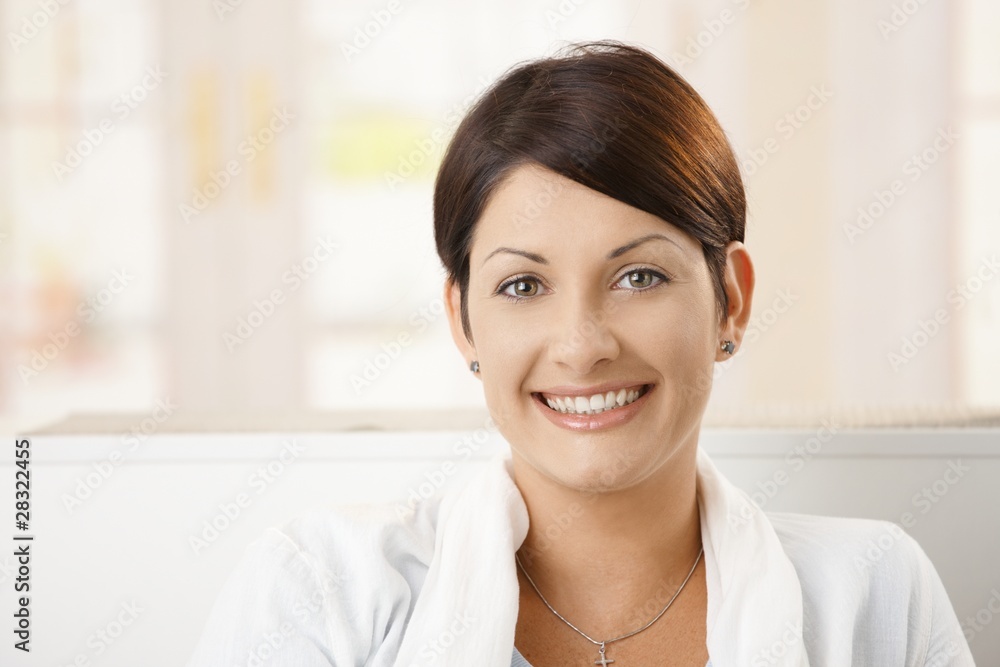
<point x="603" y="660"/>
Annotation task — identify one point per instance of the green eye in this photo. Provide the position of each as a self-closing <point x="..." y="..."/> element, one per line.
<point x="641" y="279"/>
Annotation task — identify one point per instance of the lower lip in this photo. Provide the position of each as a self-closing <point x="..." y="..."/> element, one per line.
<point x="583" y="422"/>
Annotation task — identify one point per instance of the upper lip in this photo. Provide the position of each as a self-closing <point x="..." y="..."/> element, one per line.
<point x="567" y="390"/>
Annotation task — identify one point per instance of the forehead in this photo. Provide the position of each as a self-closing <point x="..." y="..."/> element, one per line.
<point x="536" y="205"/>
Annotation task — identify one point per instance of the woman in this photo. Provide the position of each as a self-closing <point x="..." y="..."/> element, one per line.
<point x="590" y="215"/>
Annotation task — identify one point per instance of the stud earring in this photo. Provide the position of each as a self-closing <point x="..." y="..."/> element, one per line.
<point x="728" y="347"/>
<point x="474" y="367"/>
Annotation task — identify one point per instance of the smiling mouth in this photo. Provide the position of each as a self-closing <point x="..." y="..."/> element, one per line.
<point x="595" y="404"/>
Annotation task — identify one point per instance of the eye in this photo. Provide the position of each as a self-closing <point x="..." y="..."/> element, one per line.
<point x="640" y="279"/>
<point x="519" y="288"/>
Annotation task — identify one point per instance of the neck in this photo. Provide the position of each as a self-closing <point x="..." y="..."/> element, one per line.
<point x="606" y="559"/>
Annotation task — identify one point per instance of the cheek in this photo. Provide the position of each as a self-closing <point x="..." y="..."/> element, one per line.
<point x="678" y="339"/>
<point x="493" y="334"/>
<point x="504" y="350"/>
<point x="700" y="371"/>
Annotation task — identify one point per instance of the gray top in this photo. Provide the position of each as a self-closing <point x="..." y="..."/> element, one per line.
<point x="518" y="660"/>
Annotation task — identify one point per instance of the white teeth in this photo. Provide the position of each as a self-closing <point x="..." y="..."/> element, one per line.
<point x="592" y="405"/>
<point x="620" y="398"/>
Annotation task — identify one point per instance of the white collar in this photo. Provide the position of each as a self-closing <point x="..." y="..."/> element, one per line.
<point x="467" y="609"/>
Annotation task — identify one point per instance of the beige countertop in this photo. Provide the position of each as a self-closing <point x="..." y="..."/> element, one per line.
<point x="763" y="416"/>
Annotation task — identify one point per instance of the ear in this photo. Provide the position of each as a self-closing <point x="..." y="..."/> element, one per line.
<point x="739" y="282"/>
<point x="453" y="307"/>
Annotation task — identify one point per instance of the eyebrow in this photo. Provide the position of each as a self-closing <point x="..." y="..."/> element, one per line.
<point x="617" y="252"/>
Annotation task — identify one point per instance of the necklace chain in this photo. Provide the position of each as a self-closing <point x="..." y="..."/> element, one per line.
<point x="634" y="632"/>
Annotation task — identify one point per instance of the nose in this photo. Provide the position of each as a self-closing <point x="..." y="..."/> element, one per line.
<point x="584" y="337"/>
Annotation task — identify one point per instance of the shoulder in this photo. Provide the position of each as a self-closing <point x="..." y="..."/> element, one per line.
<point x="866" y="548"/>
<point x="862" y="566"/>
<point x="350" y="551"/>
<point x="875" y="575"/>
<point x="333" y="583"/>
<point x="349" y="536"/>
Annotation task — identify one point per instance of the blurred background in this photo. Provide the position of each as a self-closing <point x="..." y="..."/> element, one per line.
<point x="216" y="215"/>
<point x="225" y="205"/>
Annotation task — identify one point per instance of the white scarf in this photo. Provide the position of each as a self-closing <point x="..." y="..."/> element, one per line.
<point x="470" y="593"/>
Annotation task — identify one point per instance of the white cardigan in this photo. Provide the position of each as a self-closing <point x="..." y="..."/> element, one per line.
<point x="371" y="585"/>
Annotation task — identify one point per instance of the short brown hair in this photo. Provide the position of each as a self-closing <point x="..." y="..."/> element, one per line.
<point x="612" y="117"/>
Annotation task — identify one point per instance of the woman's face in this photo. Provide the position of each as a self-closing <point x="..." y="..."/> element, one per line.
<point x="574" y="295"/>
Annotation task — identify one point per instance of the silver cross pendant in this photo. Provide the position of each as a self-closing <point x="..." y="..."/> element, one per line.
<point x="603" y="661"/>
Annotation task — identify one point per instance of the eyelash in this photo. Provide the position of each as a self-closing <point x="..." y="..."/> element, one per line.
<point x="501" y="290"/>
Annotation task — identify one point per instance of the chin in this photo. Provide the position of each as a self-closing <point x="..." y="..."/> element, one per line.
<point x="591" y="466"/>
